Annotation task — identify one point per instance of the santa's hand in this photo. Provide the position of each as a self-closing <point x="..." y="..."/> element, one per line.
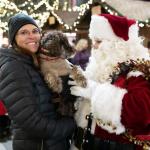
<point x="77" y="75"/>
<point x="84" y="92"/>
<point x="79" y="91"/>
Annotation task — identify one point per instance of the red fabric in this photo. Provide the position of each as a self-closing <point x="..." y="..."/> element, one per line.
<point x="136" y="103"/>
<point x="120" y="25"/>
<point x="120" y="82"/>
<point x="135" y="110"/>
<point x="143" y="137"/>
<point x="2" y="109"/>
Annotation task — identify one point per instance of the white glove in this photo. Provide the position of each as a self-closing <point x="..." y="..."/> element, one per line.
<point x="83" y="92"/>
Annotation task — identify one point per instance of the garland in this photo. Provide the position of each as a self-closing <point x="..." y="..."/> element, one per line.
<point x="144" y="144"/>
<point x="140" y="65"/>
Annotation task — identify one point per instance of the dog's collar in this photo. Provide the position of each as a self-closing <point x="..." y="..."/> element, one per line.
<point x="49" y="58"/>
<point x="44" y="51"/>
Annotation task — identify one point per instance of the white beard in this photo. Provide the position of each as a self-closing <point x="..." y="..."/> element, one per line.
<point x="106" y="57"/>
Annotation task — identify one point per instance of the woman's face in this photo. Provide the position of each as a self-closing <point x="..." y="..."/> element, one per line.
<point x="28" y="38"/>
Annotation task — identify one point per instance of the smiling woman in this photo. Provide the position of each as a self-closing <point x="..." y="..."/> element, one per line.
<point x="27" y="38"/>
<point x="27" y="98"/>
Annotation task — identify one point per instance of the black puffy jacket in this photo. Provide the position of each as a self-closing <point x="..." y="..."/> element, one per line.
<point x="28" y="102"/>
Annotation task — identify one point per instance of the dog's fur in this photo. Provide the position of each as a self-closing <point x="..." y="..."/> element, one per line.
<point x="55" y="49"/>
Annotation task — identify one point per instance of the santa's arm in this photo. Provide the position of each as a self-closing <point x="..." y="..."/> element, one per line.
<point x="116" y="108"/>
<point x="106" y="105"/>
<point x="119" y="108"/>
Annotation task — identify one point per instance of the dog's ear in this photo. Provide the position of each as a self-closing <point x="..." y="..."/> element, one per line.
<point x="67" y="48"/>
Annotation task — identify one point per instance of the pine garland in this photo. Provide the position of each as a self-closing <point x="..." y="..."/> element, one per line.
<point x="145" y="144"/>
<point x="141" y="65"/>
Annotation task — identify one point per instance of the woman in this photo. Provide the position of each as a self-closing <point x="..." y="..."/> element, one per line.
<point x="35" y="123"/>
<point x="82" y="55"/>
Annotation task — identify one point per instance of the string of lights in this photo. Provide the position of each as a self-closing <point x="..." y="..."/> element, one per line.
<point x="8" y="9"/>
<point x="111" y="10"/>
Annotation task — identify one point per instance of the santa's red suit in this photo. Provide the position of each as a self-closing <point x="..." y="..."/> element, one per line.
<point x="119" y="97"/>
<point x="134" y="109"/>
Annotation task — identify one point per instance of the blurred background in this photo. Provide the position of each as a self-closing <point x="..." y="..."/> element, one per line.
<point x="73" y="16"/>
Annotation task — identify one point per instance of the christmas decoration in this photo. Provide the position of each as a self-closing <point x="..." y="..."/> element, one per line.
<point x="42" y="10"/>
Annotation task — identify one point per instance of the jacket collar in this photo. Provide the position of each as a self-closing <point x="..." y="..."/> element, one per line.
<point x="12" y="53"/>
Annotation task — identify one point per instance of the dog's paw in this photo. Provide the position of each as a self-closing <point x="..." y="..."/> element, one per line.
<point x="77" y="75"/>
<point x="54" y="82"/>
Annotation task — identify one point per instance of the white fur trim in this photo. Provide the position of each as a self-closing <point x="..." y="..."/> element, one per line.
<point x="134" y="32"/>
<point x="107" y="105"/>
<point x="134" y="74"/>
<point x="2" y="147"/>
<point x="83" y="109"/>
<point x="73" y="147"/>
<point x="100" y="28"/>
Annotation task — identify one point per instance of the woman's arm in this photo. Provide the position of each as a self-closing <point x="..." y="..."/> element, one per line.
<point x="17" y="92"/>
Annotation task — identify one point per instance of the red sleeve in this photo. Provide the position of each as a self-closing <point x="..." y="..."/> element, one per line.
<point x="2" y="109"/>
<point x="136" y="104"/>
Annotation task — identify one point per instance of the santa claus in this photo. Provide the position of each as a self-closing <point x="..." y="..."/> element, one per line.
<point x="118" y="90"/>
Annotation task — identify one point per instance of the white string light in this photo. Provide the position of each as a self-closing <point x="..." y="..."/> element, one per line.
<point x="113" y="12"/>
<point x="8" y="8"/>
